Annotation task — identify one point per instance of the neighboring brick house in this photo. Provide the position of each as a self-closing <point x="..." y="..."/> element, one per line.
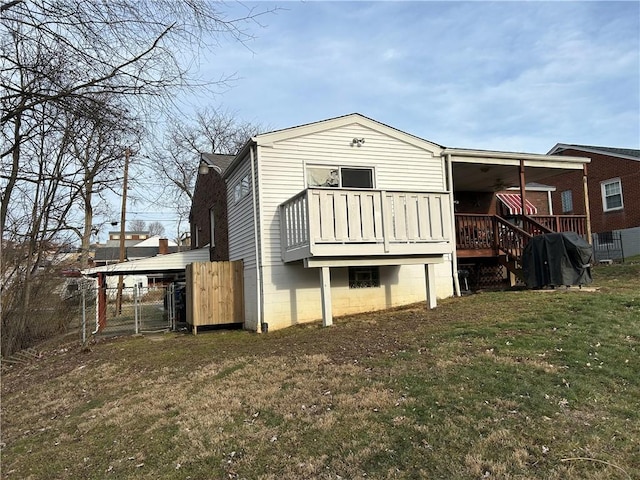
<point x="613" y="180"/>
<point x="209" y="220"/>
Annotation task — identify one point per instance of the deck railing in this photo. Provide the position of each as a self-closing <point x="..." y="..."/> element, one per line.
<point x="511" y="239"/>
<point x="321" y="221"/>
<point x="478" y="231"/>
<point x="475" y="231"/>
<point x="532" y="226"/>
<point x="564" y="223"/>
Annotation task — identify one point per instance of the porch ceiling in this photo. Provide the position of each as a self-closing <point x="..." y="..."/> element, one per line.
<point x="479" y="177"/>
<point x="490" y="171"/>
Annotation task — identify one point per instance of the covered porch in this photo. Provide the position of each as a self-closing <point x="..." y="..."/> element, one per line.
<point x="503" y="199"/>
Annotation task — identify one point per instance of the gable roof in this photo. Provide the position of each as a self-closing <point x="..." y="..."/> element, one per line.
<point x="342" y="120"/>
<point x="626" y="153"/>
<point x="269" y="138"/>
<point x="154" y="241"/>
<point x="217" y="160"/>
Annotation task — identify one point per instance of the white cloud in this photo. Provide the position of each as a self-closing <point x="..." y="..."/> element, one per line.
<point x="487" y="75"/>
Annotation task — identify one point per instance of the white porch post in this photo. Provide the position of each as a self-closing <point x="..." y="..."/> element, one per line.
<point x="325" y="293"/>
<point x="430" y="280"/>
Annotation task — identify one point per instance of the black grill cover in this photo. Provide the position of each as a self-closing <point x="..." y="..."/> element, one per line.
<point x="557" y="259"/>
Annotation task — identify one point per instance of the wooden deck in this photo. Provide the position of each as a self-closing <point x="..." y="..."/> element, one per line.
<point x="480" y="235"/>
<point x="323" y="222"/>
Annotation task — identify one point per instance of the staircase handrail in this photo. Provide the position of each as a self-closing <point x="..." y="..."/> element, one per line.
<point x="512" y="245"/>
<point x="536" y="224"/>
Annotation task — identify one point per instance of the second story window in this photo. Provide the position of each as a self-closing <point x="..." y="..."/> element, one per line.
<point x="241" y="189"/>
<point x="611" y="195"/>
<point x="339" y="177"/>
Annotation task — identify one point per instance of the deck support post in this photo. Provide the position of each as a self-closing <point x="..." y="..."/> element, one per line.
<point x="523" y="189"/>
<point x="586" y="203"/>
<point x="325" y="293"/>
<point x="430" y="280"/>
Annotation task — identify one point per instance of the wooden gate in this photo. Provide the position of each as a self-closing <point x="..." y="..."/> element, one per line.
<point x="214" y="293"/>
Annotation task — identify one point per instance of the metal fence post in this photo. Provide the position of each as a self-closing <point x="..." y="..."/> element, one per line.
<point x="84" y="314"/>
<point x="135" y="307"/>
<point x="171" y="307"/>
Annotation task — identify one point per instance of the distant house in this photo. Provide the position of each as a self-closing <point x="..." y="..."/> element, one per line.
<point x="138" y="245"/>
<point x="614" y="193"/>
<point x="349" y="215"/>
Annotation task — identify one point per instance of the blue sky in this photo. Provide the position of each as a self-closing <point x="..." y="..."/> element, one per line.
<point x="512" y="76"/>
<point x="516" y="76"/>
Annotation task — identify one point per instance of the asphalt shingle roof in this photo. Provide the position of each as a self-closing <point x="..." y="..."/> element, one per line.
<point x="628" y="152"/>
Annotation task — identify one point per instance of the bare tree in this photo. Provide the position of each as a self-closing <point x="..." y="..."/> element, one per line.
<point x="176" y="160"/>
<point x="58" y="52"/>
<point x="137" y="225"/>
<point x="44" y="200"/>
<point x="71" y="72"/>
<point x="99" y="131"/>
<point x="121" y="46"/>
<point x="156" y="228"/>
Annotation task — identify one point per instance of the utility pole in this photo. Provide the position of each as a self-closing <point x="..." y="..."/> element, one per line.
<point x="123" y="217"/>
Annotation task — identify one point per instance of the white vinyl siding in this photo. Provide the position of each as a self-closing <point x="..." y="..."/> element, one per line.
<point x="240" y="215"/>
<point x="397" y="165"/>
<point x="291" y="292"/>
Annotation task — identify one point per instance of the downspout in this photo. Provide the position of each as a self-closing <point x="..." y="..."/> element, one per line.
<point x="454" y="255"/>
<point x="258" y="243"/>
<point x="586" y="203"/>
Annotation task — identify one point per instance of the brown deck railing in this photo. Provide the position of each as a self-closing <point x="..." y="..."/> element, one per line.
<point x="483" y="232"/>
<point x="474" y="231"/>
<point x="564" y="223"/>
<point x="511" y="239"/>
<point x="533" y="227"/>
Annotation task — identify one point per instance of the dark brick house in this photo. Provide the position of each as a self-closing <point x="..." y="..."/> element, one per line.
<point x="613" y="180"/>
<point x="208" y="216"/>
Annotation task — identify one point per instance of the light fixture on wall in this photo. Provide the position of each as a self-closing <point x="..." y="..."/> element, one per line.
<point x="203" y="168"/>
<point x="357" y="142"/>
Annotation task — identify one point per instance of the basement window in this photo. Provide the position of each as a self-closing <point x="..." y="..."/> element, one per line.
<point x="364" y="277"/>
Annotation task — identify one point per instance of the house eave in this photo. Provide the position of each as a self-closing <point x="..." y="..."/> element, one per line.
<point x="244" y="151"/>
<point x="559" y="147"/>
<point x="461" y="155"/>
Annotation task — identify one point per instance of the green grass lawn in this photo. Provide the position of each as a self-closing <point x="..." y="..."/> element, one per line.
<point x="509" y="385"/>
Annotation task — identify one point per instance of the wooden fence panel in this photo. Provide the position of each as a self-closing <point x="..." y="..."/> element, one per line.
<point x="214" y="293"/>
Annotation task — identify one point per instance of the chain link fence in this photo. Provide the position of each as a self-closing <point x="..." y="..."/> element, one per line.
<point x="128" y="311"/>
